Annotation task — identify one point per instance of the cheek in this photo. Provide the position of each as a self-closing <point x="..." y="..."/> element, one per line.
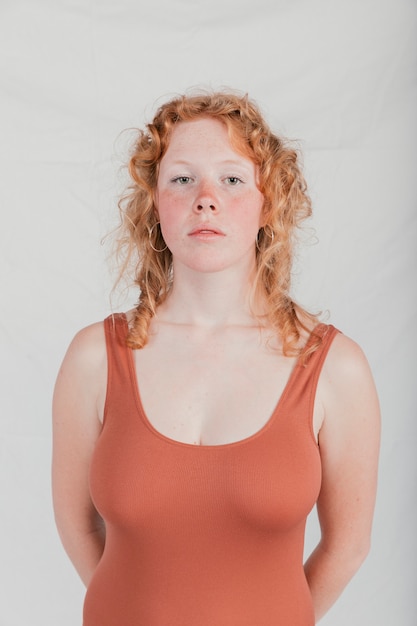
<point x="250" y="212"/>
<point x="169" y="213"/>
<point x="167" y="205"/>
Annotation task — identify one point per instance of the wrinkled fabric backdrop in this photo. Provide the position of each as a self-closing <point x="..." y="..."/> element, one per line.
<point x="338" y="77"/>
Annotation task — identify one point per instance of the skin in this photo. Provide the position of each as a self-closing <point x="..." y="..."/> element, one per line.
<point x="210" y="210"/>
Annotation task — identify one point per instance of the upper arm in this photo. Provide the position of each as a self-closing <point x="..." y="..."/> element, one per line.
<point x="349" y="447"/>
<point x="78" y="396"/>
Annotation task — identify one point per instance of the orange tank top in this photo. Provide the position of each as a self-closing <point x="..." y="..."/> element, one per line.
<point x="203" y="535"/>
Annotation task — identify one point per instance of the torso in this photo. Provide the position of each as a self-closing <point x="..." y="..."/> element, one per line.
<point x="211" y="533"/>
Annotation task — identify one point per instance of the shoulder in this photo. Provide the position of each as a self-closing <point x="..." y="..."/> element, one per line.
<point x="82" y="378"/>
<point x="88" y="345"/>
<point x="85" y="363"/>
<point x="346" y="386"/>
<point x="346" y="363"/>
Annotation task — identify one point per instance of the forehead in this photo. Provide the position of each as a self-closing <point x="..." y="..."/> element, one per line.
<point x="205" y="135"/>
<point x="203" y="130"/>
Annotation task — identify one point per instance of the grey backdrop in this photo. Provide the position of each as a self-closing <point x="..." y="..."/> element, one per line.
<point x="339" y="77"/>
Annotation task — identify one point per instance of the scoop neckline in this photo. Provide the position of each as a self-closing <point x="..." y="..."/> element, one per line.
<point x="169" y="440"/>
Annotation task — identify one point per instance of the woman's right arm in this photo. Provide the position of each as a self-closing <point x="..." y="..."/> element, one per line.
<point x="77" y="420"/>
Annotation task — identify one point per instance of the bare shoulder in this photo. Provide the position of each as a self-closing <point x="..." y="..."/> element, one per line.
<point x="88" y="345"/>
<point x="86" y="355"/>
<point x="346" y="365"/>
<point x="83" y="373"/>
<point x="347" y="389"/>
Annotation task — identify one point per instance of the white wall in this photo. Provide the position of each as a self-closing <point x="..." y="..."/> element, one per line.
<point x="340" y="77"/>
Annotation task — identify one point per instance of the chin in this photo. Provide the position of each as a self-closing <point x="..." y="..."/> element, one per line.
<point x="213" y="261"/>
<point x="203" y="264"/>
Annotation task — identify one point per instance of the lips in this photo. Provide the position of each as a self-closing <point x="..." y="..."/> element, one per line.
<point x="206" y="229"/>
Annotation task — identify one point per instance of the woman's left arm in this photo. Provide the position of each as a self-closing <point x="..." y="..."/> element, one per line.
<point x="349" y="448"/>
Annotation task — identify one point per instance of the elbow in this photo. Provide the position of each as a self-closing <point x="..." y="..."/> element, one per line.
<point x="356" y="555"/>
<point x="359" y="552"/>
<point x="350" y="556"/>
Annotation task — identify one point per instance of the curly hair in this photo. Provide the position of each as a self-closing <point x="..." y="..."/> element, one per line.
<point x="286" y="204"/>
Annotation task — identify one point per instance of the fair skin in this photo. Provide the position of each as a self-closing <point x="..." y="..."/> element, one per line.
<point x="210" y="210"/>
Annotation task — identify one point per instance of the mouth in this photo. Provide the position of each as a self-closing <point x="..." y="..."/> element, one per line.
<point x="205" y="229"/>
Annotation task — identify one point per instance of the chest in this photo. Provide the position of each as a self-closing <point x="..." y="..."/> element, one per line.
<point x="210" y="392"/>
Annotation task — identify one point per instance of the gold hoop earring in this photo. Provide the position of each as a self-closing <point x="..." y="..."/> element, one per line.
<point x="150" y="239"/>
<point x="270" y="234"/>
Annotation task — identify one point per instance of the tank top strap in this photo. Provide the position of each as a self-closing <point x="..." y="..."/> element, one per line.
<point x="302" y="386"/>
<point x="324" y="334"/>
<point x="115" y="329"/>
<point x="119" y="369"/>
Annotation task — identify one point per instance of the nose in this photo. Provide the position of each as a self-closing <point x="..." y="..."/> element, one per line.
<point x="206" y="199"/>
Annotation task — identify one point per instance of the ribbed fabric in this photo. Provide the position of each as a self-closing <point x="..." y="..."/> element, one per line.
<point x="203" y="535"/>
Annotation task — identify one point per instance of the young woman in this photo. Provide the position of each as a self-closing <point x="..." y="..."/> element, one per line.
<point x="194" y="434"/>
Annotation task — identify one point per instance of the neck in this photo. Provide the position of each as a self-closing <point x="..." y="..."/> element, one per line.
<point x="209" y="299"/>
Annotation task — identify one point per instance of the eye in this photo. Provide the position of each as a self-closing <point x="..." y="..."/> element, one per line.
<point x="233" y="180"/>
<point x="182" y="180"/>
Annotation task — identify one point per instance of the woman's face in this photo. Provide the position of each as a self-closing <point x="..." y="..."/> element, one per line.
<point x="207" y="198"/>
